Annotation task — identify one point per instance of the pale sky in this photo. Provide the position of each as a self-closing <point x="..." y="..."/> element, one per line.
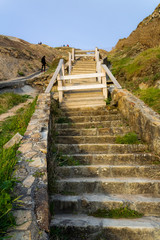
<point x="82" y="24"/>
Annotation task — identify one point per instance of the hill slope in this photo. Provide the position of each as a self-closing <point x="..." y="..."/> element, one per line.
<point x="18" y="57"/>
<point x="136" y="59"/>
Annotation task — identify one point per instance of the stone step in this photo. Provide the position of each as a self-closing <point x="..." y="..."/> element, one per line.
<point x="78" y="227"/>
<point x="88" y="112"/>
<point x="87" y="125"/>
<point x="92" y="104"/>
<point x="93" y="131"/>
<point x="85" y="139"/>
<point x="99" y="185"/>
<point x="101" y="148"/>
<point x="89" y="203"/>
<point x="142" y="159"/>
<point x="149" y="171"/>
<point x="98" y="118"/>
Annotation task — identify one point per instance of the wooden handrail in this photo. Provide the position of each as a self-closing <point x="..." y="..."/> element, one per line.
<point x="54" y="77"/>
<point x="110" y="75"/>
<point x="85" y="51"/>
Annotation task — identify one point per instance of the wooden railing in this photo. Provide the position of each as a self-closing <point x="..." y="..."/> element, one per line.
<point x="59" y="70"/>
<point x="101" y="72"/>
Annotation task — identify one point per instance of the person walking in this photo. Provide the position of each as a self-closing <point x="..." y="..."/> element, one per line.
<point x="43" y="61"/>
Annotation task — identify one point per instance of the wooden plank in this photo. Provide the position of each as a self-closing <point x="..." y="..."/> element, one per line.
<point x="80" y="76"/>
<point x="116" y="83"/>
<point x="54" y="77"/>
<point x="84" y="55"/>
<point x="81" y="87"/>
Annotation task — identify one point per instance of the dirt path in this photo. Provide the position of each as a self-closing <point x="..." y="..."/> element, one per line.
<point x="13" y="110"/>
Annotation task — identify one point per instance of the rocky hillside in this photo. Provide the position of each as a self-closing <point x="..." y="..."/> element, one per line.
<point x="136" y="59"/>
<point x="18" y="57"/>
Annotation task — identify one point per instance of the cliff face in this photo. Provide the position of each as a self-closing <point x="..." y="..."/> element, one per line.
<point x="136" y="59"/>
<point x="18" y="57"/>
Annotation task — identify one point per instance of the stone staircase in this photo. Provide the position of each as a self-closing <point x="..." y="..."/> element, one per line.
<point x="102" y="175"/>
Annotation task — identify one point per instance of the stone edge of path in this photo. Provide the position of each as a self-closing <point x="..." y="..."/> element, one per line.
<point x="33" y="216"/>
<point x="142" y="119"/>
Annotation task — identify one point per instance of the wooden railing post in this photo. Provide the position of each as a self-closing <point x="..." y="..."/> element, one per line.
<point x="104" y="82"/>
<point x="99" y="70"/>
<point x="73" y="54"/>
<point x="96" y="54"/>
<point x="63" y="69"/>
<point x="59" y="86"/>
<point x="70" y="63"/>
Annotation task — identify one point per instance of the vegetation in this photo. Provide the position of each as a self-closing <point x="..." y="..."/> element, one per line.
<point x="122" y="212"/>
<point x="53" y="66"/>
<point x="9" y="100"/>
<point x="63" y="120"/>
<point x="58" y="234"/>
<point x="8" y="200"/>
<point x="108" y="100"/>
<point x="133" y="69"/>
<point x="63" y="160"/>
<point x="129" y="138"/>
<point x="151" y="97"/>
<point x="21" y="73"/>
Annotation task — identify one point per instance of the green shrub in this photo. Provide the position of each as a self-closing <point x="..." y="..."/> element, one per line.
<point x="108" y="100"/>
<point x="129" y="138"/>
<point x="21" y="73"/>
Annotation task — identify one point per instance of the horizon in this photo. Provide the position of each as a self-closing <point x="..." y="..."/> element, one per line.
<point x="81" y="24"/>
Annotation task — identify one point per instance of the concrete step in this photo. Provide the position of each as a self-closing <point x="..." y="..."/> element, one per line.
<point x="101" y="148"/>
<point x="149" y="171"/>
<point x="78" y="227"/>
<point x="99" y="185"/>
<point x="89" y="203"/>
<point x="85" y="139"/>
<point x="93" y="131"/>
<point x="87" y="125"/>
<point x="142" y="159"/>
<point x="98" y="118"/>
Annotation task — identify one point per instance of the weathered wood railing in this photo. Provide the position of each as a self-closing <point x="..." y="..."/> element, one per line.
<point x="101" y="72"/>
<point x="59" y="69"/>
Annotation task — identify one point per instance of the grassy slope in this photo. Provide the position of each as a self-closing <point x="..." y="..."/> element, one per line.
<point x="9" y="100"/>
<point x="131" y="71"/>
